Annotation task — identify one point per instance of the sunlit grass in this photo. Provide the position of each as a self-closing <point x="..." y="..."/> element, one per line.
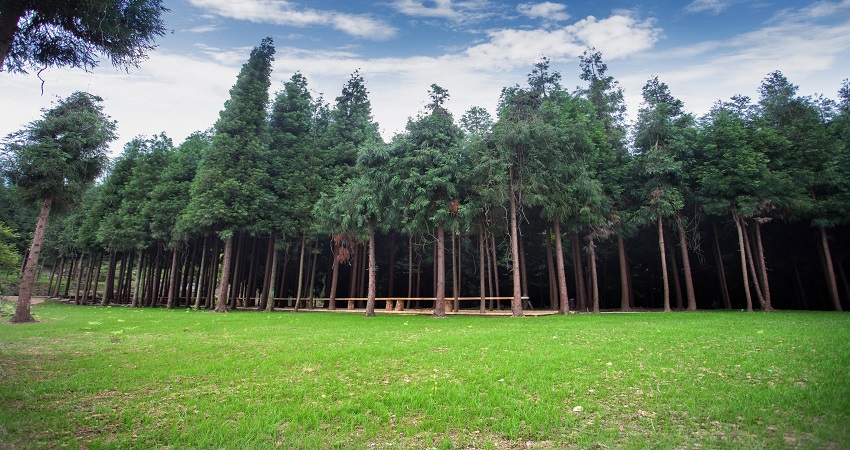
<point x="118" y="377"/>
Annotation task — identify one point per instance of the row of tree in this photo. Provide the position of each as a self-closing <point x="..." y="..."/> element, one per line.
<point x="293" y="198"/>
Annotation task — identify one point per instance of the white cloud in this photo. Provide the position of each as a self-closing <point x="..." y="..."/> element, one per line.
<point x="547" y="10"/>
<point x="285" y="13"/>
<point x="203" y="29"/>
<point x="712" y="6"/>
<point x="458" y="11"/>
<point x="616" y="36"/>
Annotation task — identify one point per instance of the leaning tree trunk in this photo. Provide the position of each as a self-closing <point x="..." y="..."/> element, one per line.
<point x="516" y="303"/>
<point x="625" y="300"/>
<point x="221" y="303"/>
<point x="440" y="296"/>
<point x="334" y="281"/>
<point x="563" y="300"/>
<point x="663" y="264"/>
<point x="370" y="301"/>
<point x="754" y="273"/>
<point x="721" y="271"/>
<point x="198" y="289"/>
<point x="300" y="284"/>
<point x="686" y="263"/>
<point x="578" y="273"/>
<point x="272" y="280"/>
<point x="763" y="269"/>
<point x="550" y="266"/>
<point x="830" y="270"/>
<point x="743" y="252"/>
<point x="22" y="311"/>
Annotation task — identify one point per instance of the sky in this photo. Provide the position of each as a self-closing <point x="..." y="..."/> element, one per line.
<point x="705" y="50"/>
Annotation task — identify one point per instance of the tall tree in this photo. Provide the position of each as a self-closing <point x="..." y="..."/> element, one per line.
<point x="229" y="189"/>
<point x="70" y="33"/>
<point x="53" y="160"/>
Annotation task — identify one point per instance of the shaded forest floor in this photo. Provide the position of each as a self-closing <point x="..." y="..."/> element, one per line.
<point x="117" y="377"/>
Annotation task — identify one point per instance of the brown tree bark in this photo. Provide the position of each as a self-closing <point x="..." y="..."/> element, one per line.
<point x="550" y="267"/>
<point x="581" y="291"/>
<point x="140" y="272"/>
<point x="221" y="304"/>
<point x="663" y="264"/>
<point x="721" y="271"/>
<point x="80" y="270"/>
<point x="563" y="297"/>
<point x="753" y="272"/>
<point x="313" y="266"/>
<point x="765" y="284"/>
<point x="334" y="280"/>
<point x="686" y="263"/>
<point x="440" y="294"/>
<point x="674" y="268"/>
<point x="409" y="271"/>
<point x="830" y="271"/>
<point x="523" y="273"/>
<point x="109" y="289"/>
<point x="89" y="275"/>
<point x="70" y="276"/>
<point x="516" y="303"/>
<point x="455" y="287"/>
<point x="213" y="271"/>
<point x="172" y="279"/>
<point x="201" y="279"/>
<point x="59" y="277"/>
<point x="300" y="284"/>
<point x="390" y="290"/>
<point x="268" y="279"/>
<point x="743" y="253"/>
<point x="97" y="281"/>
<point x="495" y="266"/>
<point x="370" y="302"/>
<point x="594" y="283"/>
<point x="270" y="296"/>
<point x="482" y="307"/>
<point x="625" y="300"/>
<point x="22" y="309"/>
<point x="52" y="275"/>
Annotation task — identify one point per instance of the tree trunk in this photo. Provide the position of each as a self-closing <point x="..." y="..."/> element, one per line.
<point x="523" y="273"/>
<point x="310" y="291"/>
<point x="455" y="287"/>
<point x="579" y="273"/>
<point x="753" y="272"/>
<point x="721" y="271"/>
<point x="201" y="274"/>
<point x="370" y="302"/>
<point x="89" y="275"/>
<point x="440" y="295"/>
<point x="352" y="289"/>
<point x="801" y="290"/>
<point x="137" y="293"/>
<point x="743" y="252"/>
<point x="221" y="304"/>
<point x="68" y="277"/>
<point x="236" y="276"/>
<point x="482" y="307"/>
<point x="109" y="289"/>
<point x="80" y="270"/>
<point x="172" y="279"/>
<point x="334" y="280"/>
<point x="843" y="276"/>
<point x="830" y="271"/>
<point x="495" y="265"/>
<point x="663" y="264"/>
<point x="763" y="269"/>
<point x="594" y="283"/>
<point x="268" y="279"/>
<point x="563" y="297"/>
<point x="625" y="300"/>
<point x="300" y="284"/>
<point x="516" y="303"/>
<point x="409" y="270"/>
<point x="390" y="292"/>
<point x="97" y="281"/>
<point x="686" y="263"/>
<point x="674" y="268"/>
<point x="550" y="266"/>
<point x="270" y="296"/>
<point x="52" y="276"/>
<point x="213" y="274"/>
<point x="22" y="310"/>
<point x="59" y="276"/>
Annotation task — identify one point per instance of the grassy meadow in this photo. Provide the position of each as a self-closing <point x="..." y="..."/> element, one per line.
<point x="116" y="377"/>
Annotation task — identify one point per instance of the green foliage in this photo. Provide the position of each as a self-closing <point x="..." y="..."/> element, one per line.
<point x="70" y="33"/>
<point x="10" y="259"/>
<point x="229" y="191"/>
<point x="60" y="155"/>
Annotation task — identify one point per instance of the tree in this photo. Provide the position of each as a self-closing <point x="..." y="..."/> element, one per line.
<point x="53" y="160"/>
<point x="70" y="33"/>
<point x="230" y="186"/>
<point x="9" y="257"/>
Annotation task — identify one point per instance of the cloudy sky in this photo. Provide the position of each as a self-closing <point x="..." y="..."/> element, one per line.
<point x="704" y="50"/>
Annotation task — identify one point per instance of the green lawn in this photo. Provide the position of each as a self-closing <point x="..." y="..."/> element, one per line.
<point x="118" y="377"/>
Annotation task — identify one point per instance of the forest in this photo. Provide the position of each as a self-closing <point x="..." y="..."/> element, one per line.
<point x="556" y="203"/>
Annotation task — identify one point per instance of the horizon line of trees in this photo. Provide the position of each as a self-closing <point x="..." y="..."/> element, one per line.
<point x="555" y="203"/>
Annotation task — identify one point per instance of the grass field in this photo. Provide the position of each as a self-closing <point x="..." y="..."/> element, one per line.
<point x="116" y="377"/>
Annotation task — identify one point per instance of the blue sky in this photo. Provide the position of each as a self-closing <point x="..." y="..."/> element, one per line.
<point x="705" y="50"/>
